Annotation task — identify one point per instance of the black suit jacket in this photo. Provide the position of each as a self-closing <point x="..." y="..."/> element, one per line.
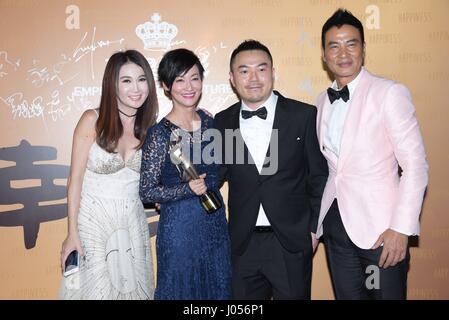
<point x="291" y="196"/>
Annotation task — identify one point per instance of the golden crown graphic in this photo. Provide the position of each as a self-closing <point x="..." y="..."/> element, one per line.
<point x="156" y="35"/>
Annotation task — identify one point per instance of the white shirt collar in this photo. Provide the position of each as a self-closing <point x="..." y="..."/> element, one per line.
<point x="351" y="85"/>
<point x="269" y="104"/>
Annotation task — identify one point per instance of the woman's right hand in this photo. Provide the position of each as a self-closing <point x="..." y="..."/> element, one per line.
<point x="198" y="186"/>
<point x="72" y="242"/>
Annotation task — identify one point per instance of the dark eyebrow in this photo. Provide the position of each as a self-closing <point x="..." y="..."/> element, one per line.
<point x="263" y="64"/>
<point x="129" y="77"/>
<point x="350" y="40"/>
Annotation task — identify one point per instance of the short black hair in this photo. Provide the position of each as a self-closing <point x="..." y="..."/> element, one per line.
<point x="339" y="18"/>
<point x="175" y="63"/>
<point x="249" y="45"/>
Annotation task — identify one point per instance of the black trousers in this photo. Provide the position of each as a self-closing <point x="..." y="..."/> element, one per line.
<point x="266" y="270"/>
<point x="354" y="271"/>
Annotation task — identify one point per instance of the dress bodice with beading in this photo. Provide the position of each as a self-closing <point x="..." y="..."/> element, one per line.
<point x="102" y="162"/>
<point x="105" y="169"/>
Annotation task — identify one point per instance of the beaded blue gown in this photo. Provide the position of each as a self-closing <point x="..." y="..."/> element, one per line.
<point x="193" y="247"/>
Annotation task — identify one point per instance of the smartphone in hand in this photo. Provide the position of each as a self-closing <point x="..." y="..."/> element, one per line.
<point x="72" y="263"/>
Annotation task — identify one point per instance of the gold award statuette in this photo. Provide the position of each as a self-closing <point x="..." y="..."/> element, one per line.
<point x="209" y="200"/>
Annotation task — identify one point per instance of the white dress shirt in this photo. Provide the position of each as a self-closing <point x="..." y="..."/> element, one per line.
<point x="335" y="119"/>
<point x="256" y="133"/>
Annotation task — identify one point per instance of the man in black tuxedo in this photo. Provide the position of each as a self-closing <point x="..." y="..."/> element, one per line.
<point x="276" y="180"/>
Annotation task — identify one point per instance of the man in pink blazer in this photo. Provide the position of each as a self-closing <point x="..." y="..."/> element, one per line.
<point x="367" y="129"/>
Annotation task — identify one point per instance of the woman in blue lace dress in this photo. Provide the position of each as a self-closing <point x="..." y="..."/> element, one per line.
<point x="193" y="249"/>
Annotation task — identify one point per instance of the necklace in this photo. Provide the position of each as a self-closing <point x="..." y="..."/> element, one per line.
<point x="129" y="116"/>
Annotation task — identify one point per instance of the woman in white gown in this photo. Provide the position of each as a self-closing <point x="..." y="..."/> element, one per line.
<point x="106" y="221"/>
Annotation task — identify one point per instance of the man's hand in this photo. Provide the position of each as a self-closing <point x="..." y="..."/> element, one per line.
<point x="395" y="248"/>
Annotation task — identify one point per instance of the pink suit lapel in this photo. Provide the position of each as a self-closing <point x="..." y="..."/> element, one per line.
<point x="352" y="121"/>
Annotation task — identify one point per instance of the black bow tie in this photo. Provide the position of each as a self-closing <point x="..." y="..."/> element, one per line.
<point x="335" y="95"/>
<point x="261" y="113"/>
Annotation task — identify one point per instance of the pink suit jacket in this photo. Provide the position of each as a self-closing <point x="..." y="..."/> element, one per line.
<point x="380" y="132"/>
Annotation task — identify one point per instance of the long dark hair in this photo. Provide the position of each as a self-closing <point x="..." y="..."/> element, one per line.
<point x="109" y="128"/>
